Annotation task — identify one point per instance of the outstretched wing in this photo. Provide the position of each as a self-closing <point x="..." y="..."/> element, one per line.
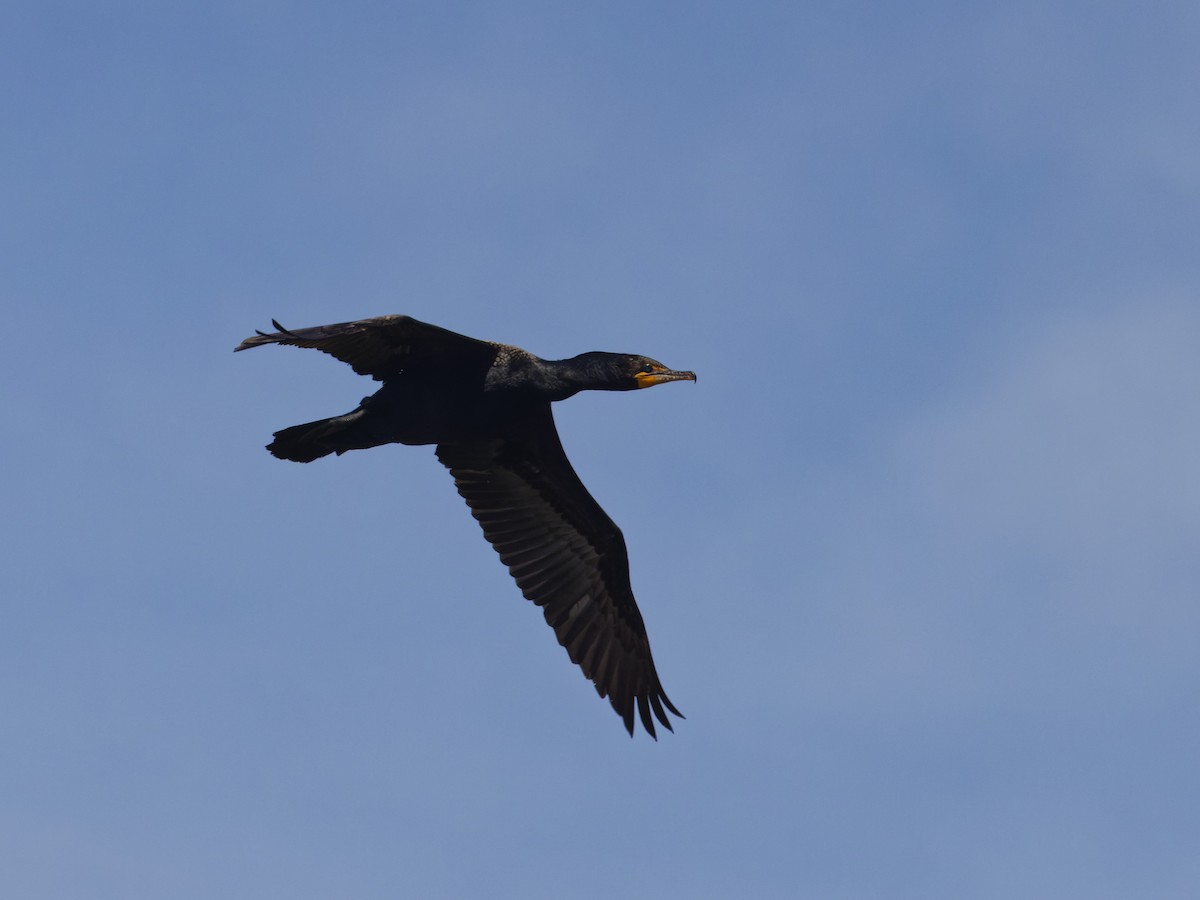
<point x="384" y="346"/>
<point x="566" y="555"/>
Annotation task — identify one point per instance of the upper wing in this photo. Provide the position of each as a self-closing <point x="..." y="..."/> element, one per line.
<point x="383" y="346"/>
<point x="566" y="555"/>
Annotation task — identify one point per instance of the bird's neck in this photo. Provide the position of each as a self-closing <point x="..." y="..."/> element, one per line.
<point x="563" y="378"/>
<point x="554" y="379"/>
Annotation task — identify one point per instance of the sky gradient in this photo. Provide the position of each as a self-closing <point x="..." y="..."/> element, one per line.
<point x="917" y="553"/>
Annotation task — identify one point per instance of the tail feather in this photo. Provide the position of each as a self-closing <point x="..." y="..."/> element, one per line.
<point x="312" y="440"/>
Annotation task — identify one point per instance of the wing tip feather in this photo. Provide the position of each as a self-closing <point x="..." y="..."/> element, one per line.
<point x="261" y="337"/>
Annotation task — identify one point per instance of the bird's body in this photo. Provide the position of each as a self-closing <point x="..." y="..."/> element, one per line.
<point x="487" y="408"/>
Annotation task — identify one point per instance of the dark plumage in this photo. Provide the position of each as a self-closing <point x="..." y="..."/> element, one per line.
<point x="487" y="408"/>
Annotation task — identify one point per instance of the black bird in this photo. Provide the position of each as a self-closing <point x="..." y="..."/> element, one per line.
<point x="487" y="408"/>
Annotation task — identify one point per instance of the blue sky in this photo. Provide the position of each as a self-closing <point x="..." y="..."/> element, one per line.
<point x="917" y="554"/>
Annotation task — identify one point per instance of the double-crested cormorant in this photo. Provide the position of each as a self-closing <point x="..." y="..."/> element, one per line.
<point x="487" y="407"/>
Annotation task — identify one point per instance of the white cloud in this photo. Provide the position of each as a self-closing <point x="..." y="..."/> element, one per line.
<point x="1023" y="545"/>
<point x="1077" y="455"/>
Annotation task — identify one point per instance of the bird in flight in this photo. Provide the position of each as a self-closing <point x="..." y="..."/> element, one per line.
<point x="487" y="408"/>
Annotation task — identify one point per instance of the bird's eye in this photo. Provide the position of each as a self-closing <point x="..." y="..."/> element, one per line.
<point x="647" y="368"/>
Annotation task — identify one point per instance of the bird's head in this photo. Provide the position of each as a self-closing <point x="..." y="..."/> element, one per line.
<point x="624" y="371"/>
<point x="648" y="372"/>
